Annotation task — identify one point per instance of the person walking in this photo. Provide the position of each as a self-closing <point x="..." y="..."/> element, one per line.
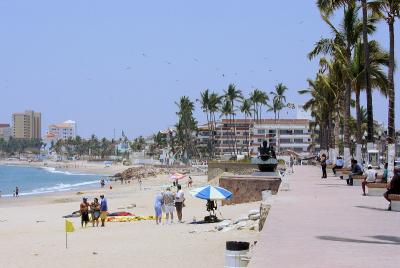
<point x="103" y="210"/>
<point x="291" y="163"/>
<point x="385" y="173"/>
<point x="169" y="205"/>
<point x="190" y="182"/>
<point x="95" y="211"/>
<point x="16" y="191"/>
<point x="323" y="166"/>
<point x="179" y="202"/>
<point x="158" y="203"/>
<point x="84" y="210"/>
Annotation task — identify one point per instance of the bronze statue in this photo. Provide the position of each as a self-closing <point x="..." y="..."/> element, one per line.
<point x="266" y="160"/>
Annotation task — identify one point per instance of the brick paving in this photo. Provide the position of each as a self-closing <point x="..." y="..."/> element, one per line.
<point x="324" y="223"/>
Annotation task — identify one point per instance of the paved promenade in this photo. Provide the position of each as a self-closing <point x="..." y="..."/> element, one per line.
<point x="324" y="223"/>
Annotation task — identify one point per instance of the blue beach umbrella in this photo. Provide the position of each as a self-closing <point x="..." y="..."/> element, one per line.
<point x="210" y="192"/>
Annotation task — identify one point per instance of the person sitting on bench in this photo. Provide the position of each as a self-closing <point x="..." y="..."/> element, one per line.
<point x="338" y="165"/>
<point x="371" y="177"/>
<point x="355" y="170"/>
<point x="394" y="188"/>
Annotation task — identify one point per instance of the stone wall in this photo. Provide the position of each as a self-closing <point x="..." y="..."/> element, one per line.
<point x="217" y="168"/>
<point x="248" y="188"/>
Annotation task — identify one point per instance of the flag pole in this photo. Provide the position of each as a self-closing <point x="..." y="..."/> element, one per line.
<point x="66" y="239"/>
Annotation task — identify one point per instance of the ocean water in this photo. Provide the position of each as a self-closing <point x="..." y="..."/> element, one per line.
<point x="40" y="180"/>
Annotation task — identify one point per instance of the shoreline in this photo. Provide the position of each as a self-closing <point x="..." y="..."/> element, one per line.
<point x="78" y="168"/>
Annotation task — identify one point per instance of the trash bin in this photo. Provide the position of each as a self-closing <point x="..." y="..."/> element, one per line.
<point x="236" y="254"/>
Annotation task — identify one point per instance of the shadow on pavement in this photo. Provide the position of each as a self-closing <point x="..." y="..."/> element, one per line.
<point x="390" y="240"/>
<point x="394" y="239"/>
<point x="372" y="208"/>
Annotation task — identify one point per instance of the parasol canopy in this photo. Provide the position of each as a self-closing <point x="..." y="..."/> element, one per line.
<point x="210" y="192"/>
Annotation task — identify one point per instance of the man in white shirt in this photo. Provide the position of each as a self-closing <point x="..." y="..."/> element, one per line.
<point x="179" y="202"/>
<point x="371" y="176"/>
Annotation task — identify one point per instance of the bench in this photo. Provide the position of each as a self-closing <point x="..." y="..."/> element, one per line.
<point x="395" y="202"/>
<point x="358" y="179"/>
<point x="376" y="189"/>
<point x="343" y="171"/>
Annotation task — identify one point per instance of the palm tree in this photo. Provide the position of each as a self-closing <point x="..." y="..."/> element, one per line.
<point x="213" y="107"/>
<point x="205" y="104"/>
<point x="186" y="126"/>
<point x="367" y="72"/>
<point x="323" y="98"/>
<point x="388" y="10"/>
<point x="245" y="108"/>
<point x="259" y="98"/>
<point x="279" y="100"/>
<point x="232" y="95"/>
<point x="378" y="79"/>
<point x="226" y="110"/>
<point x="340" y="47"/>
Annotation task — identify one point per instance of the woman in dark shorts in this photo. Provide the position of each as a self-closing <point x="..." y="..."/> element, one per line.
<point x="84" y="209"/>
<point x="394" y="187"/>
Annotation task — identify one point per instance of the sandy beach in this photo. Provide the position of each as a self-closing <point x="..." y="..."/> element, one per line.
<point x="32" y="230"/>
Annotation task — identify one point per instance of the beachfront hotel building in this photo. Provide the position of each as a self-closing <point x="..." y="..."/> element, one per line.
<point x="5" y="131"/>
<point x="287" y="134"/>
<point x="27" y="125"/>
<point x="63" y="131"/>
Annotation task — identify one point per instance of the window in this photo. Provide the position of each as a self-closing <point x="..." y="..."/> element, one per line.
<point x="285" y="140"/>
<point x="261" y="131"/>
<point x="298" y="131"/>
<point x="286" y="131"/>
<point x="298" y="140"/>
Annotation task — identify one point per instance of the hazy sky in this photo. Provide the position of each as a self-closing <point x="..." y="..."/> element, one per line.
<point x="122" y="64"/>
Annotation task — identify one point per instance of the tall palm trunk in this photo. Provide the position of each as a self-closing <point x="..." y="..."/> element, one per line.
<point x="358" y="114"/>
<point x="358" y="149"/>
<point x="337" y="129"/>
<point x="330" y="129"/>
<point x="278" y="137"/>
<point x="391" y="124"/>
<point x="370" y="114"/>
<point x="234" y="134"/>
<point x="347" y="113"/>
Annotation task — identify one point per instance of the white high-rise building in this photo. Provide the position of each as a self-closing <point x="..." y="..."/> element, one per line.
<point x="5" y="132"/>
<point x="64" y="130"/>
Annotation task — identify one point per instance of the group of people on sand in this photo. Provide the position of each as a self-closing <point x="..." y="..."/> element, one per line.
<point x="93" y="211"/>
<point x="167" y="201"/>
<point x="370" y="175"/>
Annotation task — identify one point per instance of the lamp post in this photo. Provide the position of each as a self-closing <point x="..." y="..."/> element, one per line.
<point x="364" y="138"/>
<point x="352" y="147"/>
